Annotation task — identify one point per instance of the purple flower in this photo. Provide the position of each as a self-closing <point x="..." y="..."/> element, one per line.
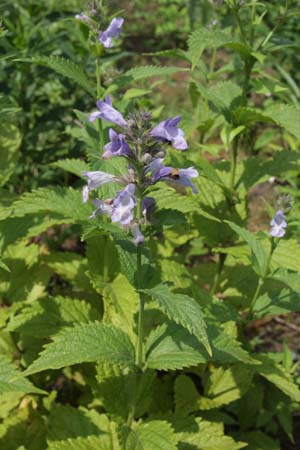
<point x="123" y="205"/>
<point x="84" y="18"/>
<point x="107" y="112"/>
<point x="95" y="180"/>
<point x="138" y="238"/>
<point x="159" y="172"/>
<point x="148" y="207"/>
<point x="117" y="145"/>
<point x="101" y="208"/>
<point x="169" y="131"/>
<point x="278" y="225"/>
<point x="113" y="31"/>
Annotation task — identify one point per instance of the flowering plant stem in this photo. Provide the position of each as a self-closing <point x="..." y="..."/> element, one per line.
<point x="262" y="279"/>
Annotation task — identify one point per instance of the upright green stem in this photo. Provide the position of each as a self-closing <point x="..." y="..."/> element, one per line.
<point x="233" y="158"/>
<point x="99" y="89"/>
<point x="139" y="215"/>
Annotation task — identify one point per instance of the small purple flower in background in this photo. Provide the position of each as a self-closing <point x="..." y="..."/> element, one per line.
<point x="278" y="225"/>
<point x="123" y="205"/>
<point x="169" y="131"/>
<point x="101" y="208"/>
<point x="117" y="145"/>
<point x="107" y="112"/>
<point x="113" y="31"/>
<point x="95" y="180"/>
<point x="138" y="238"/>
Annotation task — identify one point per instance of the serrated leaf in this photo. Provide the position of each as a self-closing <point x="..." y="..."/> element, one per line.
<point x="72" y="165"/>
<point x="205" y="38"/>
<point x="46" y="317"/>
<point x="260" y="257"/>
<point x="64" y="67"/>
<point x="186" y="396"/>
<point x="153" y="435"/>
<point x="66" y="202"/>
<point x="197" y="433"/>
<point x="171" y="347"/>
<point x="139" y="73"/>
<point x="11" y="380"/>
<point x="225" y="386"/>
<point x="286" y="116"/>
<point x="83" y="443"/>
<point x="118" y="389"/>
<point x="224" y="95"/>
<point x="66" y="422"/>
<point x="276" y="375"/>
<point x="85" y="343"/>
<point x="183" y="309"/>
<point x="277" y="302"/>
<point x="10" y="141"/>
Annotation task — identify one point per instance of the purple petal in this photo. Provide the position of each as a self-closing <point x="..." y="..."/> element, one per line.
<point x="107" y="112"/>
<point x="113" y="31"/>
<point x="138" y="238"/>
<point x="101" y="208"/>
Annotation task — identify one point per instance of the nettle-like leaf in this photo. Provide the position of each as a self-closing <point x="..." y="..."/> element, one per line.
<point x="277" y="376"/>
<point x="275" y="302"/>
<point x="139" y="73"/>
<point x="225" y="386"/>
<point x="64" y="67"/>
<point x="197" y="433"/>
<point x="183" y="309"/>
<point x="84" y="443"/>
<point x="10" y="141"/>
<point x="85" y="343"/>
<point x="119" y="388"/>
<point x="66" y="202"/>
<point x="260" y="255"/>
<point x="120" y="304"/>
<point x="171" y="347"/>
<point x="66" y="422"/>
<point x="11" y="379"/>
<point x="72" y="165"/>
<point x="186" y="396"/>
<point x="224" y="96"/>
<point x="152" y="435"/>
<point x="205" y="38"/>
<point x="46" y="317"/>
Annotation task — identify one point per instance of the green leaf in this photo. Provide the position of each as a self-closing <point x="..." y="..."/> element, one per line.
<point x="43" y="318"/>
<point x="11" y="380"/>
<point x="281" y="257"/>
<point x="184" y="310"/>
<point x="84" y="443"/>
<point x="118" y="389"/>
<point x="260" y="257"/>
<point x="171" y="347"/>
<point x="72" y="165"/>
<point x="277" y="302"/>
<point x="198" y="433"/>
<point x="257" y="440"/>
<point x="285" y="116"/>
<point x="10" y="141"/>
<point x="152" y="435"/>
<point x="64" y="67"/>
<point x="85" y="343"/>
<point x="120" y="304"/>
<point x="142" y="72"/>
<point x="66" y="202"/>
<point x="186" y="396"/>
<point x="66" y="422"/>
<point x="225" y="386"/>
<point x="205" y="38"/>
<point x="276" y="375"/>
<point x="224" y="95"/>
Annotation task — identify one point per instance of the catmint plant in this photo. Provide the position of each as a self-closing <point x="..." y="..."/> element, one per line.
<point x="142" y="145"/>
